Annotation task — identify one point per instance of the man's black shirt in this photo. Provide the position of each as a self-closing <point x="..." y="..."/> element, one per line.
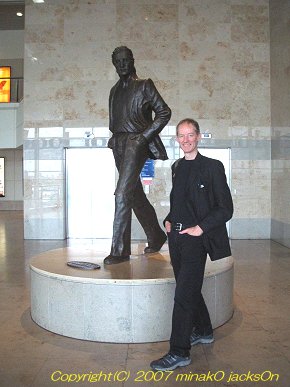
<point x="182" y="210"/>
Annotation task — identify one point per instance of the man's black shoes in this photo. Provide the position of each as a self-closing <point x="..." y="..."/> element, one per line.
<point x="170" y="362"/>
<point x="196" y="338"/>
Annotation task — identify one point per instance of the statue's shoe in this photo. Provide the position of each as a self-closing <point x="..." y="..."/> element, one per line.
<point x="113" y="259"/>
<point x="156" y="246"/>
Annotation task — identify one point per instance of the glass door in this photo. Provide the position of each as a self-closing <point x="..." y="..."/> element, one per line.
<point x="90" y="177"/>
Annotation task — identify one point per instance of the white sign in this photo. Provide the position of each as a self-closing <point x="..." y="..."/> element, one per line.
<point x="2" y="191"/>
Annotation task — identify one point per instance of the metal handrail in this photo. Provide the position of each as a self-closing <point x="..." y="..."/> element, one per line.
<point x="11" y="77"/>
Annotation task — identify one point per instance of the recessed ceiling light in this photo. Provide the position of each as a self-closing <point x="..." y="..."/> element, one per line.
<point x="19" y="14"/>
<point x="38" y="1"/>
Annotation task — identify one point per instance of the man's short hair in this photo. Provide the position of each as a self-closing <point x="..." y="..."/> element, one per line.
<point x="190" y="121"/>
<point x="122" y="48"/>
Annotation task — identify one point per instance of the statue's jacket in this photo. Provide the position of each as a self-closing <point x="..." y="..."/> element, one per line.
<point x="142" y="100"/>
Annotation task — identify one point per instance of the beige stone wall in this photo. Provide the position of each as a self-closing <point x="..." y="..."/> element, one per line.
<point x="280" y="109"/>
<point x="210" y="60"/>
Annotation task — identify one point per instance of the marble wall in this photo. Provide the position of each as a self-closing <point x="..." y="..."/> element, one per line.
<point x="209" y="59"/>
<point x="280" y="107"/>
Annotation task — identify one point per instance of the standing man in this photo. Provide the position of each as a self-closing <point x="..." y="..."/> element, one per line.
<point x="200" y="206"/>
<point x="135" y="138"/>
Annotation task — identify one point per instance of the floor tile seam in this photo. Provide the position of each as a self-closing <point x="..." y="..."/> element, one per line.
<point x="237" y="306"/>
<point x="39" y="371"/>
<point x="126" y="362"/>
<point x="204" y="350"/>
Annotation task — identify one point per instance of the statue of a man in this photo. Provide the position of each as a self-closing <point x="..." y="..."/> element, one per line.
<point x="135" y="138"/>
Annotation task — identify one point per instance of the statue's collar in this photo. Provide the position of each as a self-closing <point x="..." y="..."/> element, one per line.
<point x="124" y="83"/>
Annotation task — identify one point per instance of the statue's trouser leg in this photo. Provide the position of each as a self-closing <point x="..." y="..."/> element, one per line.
<point x="129" y="164"/>
<point x="146" y="215"/>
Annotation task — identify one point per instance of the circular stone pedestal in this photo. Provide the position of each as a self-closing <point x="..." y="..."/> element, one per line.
<point x="129" y="302"/>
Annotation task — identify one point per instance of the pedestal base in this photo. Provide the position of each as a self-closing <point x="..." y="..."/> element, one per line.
<point x="129" y="302"/>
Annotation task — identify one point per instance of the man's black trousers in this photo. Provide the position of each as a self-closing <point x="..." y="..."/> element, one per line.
<point x="188" y="257"/>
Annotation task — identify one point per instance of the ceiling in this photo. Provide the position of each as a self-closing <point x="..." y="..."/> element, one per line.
<point x="8" y="18"/>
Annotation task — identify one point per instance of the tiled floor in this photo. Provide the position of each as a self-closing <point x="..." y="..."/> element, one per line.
<point x="255" y="341"/>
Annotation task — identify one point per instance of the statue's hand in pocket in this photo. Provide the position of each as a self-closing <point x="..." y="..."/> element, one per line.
<point x="139" y="139"/>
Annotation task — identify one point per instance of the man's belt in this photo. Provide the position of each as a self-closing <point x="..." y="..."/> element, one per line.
<point x="176" y="226"/>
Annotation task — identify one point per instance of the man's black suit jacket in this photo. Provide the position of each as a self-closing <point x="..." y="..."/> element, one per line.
<point x="211" y="201"/>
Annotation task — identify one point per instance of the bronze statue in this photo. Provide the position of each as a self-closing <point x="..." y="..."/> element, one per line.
<point x="135" y="139"/>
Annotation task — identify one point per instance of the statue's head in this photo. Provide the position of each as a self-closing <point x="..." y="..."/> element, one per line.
<point x="123" y="60"/>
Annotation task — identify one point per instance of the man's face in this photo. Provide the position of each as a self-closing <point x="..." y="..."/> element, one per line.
<point x="187" y="138"/>
<point x="124" y="63"/>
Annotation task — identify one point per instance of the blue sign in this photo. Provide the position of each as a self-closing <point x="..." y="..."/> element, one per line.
<point x="148" y="169"/>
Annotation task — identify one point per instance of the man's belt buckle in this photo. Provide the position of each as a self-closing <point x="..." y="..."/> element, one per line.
<point x="178" y="226"/>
